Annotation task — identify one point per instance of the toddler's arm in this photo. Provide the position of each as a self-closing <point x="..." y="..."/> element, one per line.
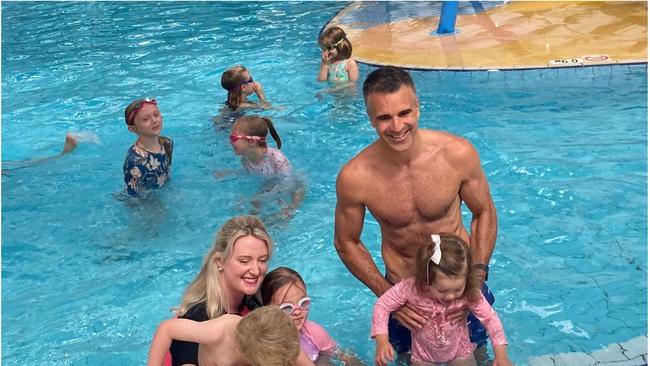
<point x="324" y="66"/>
<point x="384" y="352"/>
<point x="490" y="320"/>
<point x="390" y="301"/>
<point x="353" y="69"/>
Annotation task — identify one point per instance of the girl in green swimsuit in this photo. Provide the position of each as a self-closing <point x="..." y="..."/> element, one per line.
<point x="337" y="64"/>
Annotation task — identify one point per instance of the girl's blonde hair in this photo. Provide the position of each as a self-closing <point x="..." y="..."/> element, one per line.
<point x="268" y="337"/>
<point x="206" y="287"/>
<point x="456" y="260"/>
<point x="232" y="80"/>
<point x="335" y="37"/>
<point x="258" y="126"/>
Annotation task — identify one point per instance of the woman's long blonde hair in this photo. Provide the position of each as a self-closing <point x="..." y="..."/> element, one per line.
<point x="206" y="287"/>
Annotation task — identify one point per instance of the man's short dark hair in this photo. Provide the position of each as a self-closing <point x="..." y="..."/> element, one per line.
<point x="386" y="80"/>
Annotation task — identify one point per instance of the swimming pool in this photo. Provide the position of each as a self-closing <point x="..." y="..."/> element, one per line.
<point x="86" y="277"/>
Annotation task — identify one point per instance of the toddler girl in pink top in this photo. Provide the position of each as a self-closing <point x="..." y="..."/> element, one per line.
<point x="284" y="287"/>
<point x="443" y="280"/>
<point x="248" y="139"/>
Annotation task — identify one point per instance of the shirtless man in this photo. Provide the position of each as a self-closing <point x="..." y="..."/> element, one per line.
<point x="413" y="182"/>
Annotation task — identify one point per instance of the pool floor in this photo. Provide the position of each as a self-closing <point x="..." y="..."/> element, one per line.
<point x="498" y="35"/>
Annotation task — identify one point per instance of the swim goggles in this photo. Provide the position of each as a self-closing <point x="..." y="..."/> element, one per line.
<point x="303" y="303"/>
<point x="329" y="48"/>
<point x="250" y="80"/>
<point x="235" y="137"/>
<point x="138" y="107"/>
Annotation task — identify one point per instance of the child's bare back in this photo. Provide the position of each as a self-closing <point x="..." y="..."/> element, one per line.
<point x="223" y="351"/>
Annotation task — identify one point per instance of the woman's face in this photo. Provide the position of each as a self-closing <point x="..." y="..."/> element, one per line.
<point x="293" y="293"/>
<point x="244" y="270"/>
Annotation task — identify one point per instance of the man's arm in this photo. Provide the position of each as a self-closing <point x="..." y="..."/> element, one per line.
<point x="475" y="192"/>
<point x="348" y="224"/>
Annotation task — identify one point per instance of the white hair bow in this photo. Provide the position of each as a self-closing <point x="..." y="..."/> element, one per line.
<point x="437" y="254"/>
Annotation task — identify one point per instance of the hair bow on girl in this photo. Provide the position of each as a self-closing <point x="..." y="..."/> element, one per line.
<point x="437" y="253"/>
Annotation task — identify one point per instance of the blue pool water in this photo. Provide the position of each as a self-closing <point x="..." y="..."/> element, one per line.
<point x="87" y="276"/>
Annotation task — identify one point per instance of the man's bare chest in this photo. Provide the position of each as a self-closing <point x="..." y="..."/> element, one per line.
<point x="406" y="199"/>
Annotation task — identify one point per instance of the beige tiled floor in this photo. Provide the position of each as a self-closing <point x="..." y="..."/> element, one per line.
<point x="511" y="35"/>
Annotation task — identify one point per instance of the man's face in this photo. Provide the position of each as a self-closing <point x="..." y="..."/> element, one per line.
<point x="395" y="117"/>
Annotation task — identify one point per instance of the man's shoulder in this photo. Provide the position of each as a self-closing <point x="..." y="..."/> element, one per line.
<point x="449" y="144"/>
<point x="360" y="164"/>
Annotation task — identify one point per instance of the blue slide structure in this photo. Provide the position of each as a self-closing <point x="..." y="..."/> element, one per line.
<point x="448" y="14"/>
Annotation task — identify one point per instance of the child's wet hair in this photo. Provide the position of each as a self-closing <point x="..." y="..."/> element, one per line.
<point x="335" y="36"/>
<point x="232" y="80"/>
<point x="276" y="279"/>
<point x="258" y="126"/>
<point x="129" y="110"/>
<point x="268" y="337"/>
<point x="456" y="260"/>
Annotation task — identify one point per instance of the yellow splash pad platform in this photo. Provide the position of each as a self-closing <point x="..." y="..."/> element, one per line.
<point x="510" y="35"/>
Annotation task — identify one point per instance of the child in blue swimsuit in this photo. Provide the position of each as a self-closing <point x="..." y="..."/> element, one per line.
<point x="337" y="64"/>
<point x="148" y="162"/>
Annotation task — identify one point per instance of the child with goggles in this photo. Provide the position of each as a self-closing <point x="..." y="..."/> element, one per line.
<point x="337" y="64"/>
<point x="284" y="288"/>
<point x="148" y="162"/>
<point x="248" y="140"/>
<point x="444" y="279"/>
<point x="239" y="84"/>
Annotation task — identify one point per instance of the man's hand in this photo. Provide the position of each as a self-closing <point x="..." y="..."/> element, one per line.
<point x="410" y="317"/>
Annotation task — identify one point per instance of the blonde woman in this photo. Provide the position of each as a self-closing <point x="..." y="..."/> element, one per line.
<point x="229" y="279"/>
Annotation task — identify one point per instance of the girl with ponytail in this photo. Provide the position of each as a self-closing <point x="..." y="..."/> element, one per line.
<point x="248" y="139"/>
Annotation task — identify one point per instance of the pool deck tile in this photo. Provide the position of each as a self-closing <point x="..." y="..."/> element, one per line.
<point x="516" y="34"/>
<point x="631" y="353"/>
